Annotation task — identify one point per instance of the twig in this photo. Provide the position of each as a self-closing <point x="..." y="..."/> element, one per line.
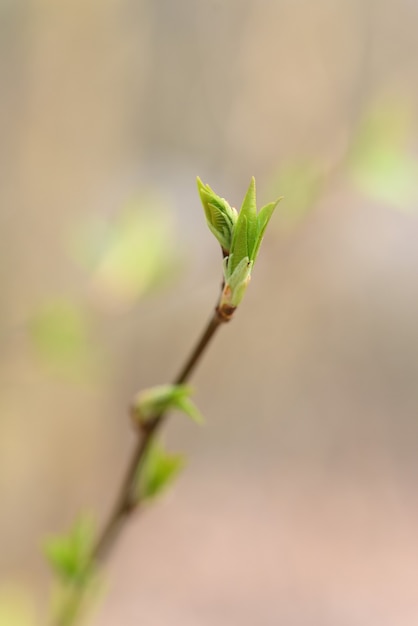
<point x="127" y="502"/>
<point x="240" y="236"/>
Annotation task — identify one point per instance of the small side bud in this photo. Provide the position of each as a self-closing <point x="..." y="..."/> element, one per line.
<point x="236" y="283"/>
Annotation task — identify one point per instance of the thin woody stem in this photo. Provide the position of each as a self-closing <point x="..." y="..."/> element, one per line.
<point x="126" y="502"/>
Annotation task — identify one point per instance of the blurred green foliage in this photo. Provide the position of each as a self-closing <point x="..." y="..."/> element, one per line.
<point x="381" y="163"/>
<point x="60" y="335"/>
<point x="128" y="254"/>
<point x="155" y="400"/>
<point x="16" y="607"/>
<point x="70" y="555"/>
<point x="301" y="182"/>
<point x="125" y="256"/>
<point x="158" y="472"/>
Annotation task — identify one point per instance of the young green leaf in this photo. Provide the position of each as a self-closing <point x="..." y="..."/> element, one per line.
<point x="246" y="233"/>
<point x="188" y="407"/>
<point x="239" y="246"/>
<point x="158" y="472"/>
<point x="220" y="216"/>
<point x="249" y="209"/>
<point x="263" y="219"/>
<point x="156" y="400"/>
<point x="70" y="555"/>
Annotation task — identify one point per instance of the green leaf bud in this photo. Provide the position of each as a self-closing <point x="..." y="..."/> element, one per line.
<point x="236" y="282"/>
<point x="240" y="236"/>
<point x="158" y="472"/>
<point x="151" y="402"/>
<point x="70" y="555"/>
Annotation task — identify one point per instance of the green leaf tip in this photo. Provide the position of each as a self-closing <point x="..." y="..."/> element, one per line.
<point x="249" y="210"/>
<point x="151" y="402"/>
<point x="158" y="472"/>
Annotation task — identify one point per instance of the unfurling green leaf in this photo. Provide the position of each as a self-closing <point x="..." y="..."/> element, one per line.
<point x="221" y="218"/>
<point x="158" y="472"/>
<point x="156" y="400"/>
<point x="263" y="219"/>
<point x="70" y="555"/>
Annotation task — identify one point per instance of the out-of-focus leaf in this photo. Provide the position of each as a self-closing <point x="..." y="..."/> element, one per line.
<point x="300" y="183"/>
<point x="59" y="334"/>
<point x="129" y="254"/>
<point x="158" y="472"/>
<point x="189" y="408"/>
<point x="16" y="607"/>
<point x="69" y="555"/>
<point x="156" y="400"/>
<point x="381" y="163"/>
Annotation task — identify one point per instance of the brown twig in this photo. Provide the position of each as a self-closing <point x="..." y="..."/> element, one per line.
<point x="127" y="502"/>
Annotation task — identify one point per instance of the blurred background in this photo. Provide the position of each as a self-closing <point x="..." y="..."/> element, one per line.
<point x="298" y="505"/>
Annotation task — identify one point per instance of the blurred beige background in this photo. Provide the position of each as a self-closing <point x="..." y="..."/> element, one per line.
<point x="299" y="503"/>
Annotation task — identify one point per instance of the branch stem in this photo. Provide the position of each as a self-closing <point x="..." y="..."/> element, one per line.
<point x="125" y="502"/>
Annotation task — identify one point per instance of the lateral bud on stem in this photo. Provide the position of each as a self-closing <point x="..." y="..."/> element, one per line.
<point x="149" y="404"/>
